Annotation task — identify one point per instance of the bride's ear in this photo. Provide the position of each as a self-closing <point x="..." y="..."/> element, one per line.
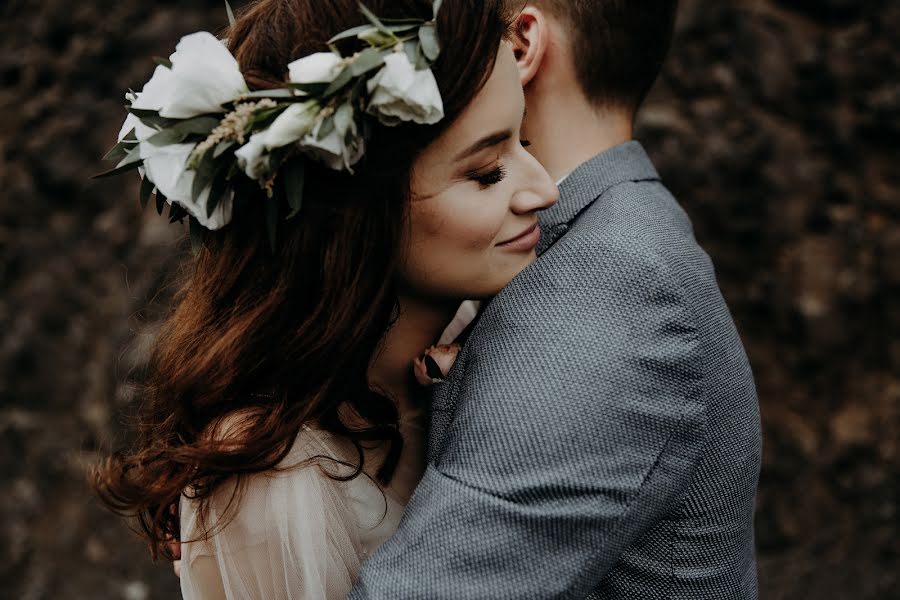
<point x="529" y="42"/>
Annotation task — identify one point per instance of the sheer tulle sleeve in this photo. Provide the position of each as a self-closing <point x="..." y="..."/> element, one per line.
<point x="290" y="537"/>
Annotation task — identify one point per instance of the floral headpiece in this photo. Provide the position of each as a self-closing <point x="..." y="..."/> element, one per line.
<point x="196" y="130"/>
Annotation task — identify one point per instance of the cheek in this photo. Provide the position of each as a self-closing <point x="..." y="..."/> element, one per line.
<point x="450" y="244"/>
<point x="466" y="226"/>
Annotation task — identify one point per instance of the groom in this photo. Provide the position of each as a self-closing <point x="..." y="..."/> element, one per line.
<point x="599" y="435"/>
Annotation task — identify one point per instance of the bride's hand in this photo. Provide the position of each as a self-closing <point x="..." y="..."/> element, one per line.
<point x="435" y="363"/>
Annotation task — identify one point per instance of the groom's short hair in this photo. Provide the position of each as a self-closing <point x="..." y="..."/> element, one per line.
<point x="618" y="46"/>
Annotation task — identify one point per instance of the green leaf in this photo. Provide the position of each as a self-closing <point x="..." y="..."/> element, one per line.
<point x="147" y="188"/>
<point x="294" y="177"/>
<point x="230" y="13"/>
<point x="428" y="38"/>
<point x="351" y="33"/>
<point x="310" y="89"/>
<point x="365" y="61"/>
<point x="177" y="133"/>
<point x="160" y="202"/>
<point x="122" y="168"/>
<point x="412" y="51"/>
<point x="217" y="191"/>
<point x="326" y="129"/>
<point x="163" y="62"/>
<point x="432" y="368"/>
<point x="120" y="150"/>
<point x="272" y="221"/>
<point x="372" y="18"/>
<point x="276" y="93"/>
<point x="343" y="119"/>
<point x="222" y="147"/>
<point x="343" y="79"/>
<point x="203" y="174"/>
<point x="421" y="62"/>
<point x="197" y="234"/>
<point x="177" y="213"/>
<point x="151" y="118"/>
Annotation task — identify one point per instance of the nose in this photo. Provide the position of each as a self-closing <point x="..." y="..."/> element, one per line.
<point x="538" y="191"/>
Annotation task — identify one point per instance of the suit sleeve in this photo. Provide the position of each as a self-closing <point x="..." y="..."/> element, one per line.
<point x="577" y="427"/>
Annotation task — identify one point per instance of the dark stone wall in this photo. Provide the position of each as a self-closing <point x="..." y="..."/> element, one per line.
<point x="775" y="122"/>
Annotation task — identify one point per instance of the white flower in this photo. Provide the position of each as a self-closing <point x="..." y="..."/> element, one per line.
<point x="322" y="67"/>
<point x="289" y="127"/>
<point x="338" y="152"/>
<point x="401" y="93"/>
<point x="252" y="157"/>
<point x="204" y="75"/>
<point x="168" y="169"/>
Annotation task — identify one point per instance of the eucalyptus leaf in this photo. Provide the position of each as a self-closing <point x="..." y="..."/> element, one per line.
<point x="197" y="235"/>
<point x="343" y="119"/>
<point x="276" y="93"/>
<point x="217" y="191"/>
<point x="229" y="12"/>
<point x="151" y="118"/>
<point x="326" y="129"/>
<point x="310" y="89"/>
<point x="177" y="213"/>
<point x="365" y="61"/>
<point x="351" y="33"/>
<point x="377" y="39"/>
<point x="372" y="18"/>
<point x="412" y="51"/>
<point x="147" y="188"/>
<point x="222" y="147"/>
<point x="120" y="150"/>
<point x="203" y="175"/>
<point x="178" y="133"/>
<point x="163" y="62"/>
<point x="421" y="61"/>
<point x="294" y="178"/>
<point x="428" y="38"/>
<point x="340" y="81"/>
<point x="122" y="168"/>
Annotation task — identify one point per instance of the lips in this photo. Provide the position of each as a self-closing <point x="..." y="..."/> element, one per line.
<point x="526" y="241"/>
<point x="521" y="236"/>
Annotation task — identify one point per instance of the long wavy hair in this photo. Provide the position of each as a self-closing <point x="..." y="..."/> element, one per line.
<point x="285" y="339"/>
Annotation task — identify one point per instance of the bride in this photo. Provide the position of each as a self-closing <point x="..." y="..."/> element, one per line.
<point x="282" y="416"/>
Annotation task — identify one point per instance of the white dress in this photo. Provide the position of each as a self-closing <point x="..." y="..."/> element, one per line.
<point x="297" y="534"/>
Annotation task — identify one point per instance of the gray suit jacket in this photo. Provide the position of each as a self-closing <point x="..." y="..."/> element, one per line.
<point x="599" y="434"/>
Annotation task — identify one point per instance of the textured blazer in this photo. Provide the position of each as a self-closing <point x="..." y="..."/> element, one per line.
<point x="599" y="434"/>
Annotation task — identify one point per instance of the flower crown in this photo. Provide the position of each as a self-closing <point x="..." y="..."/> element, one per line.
<point x="193" y="157"/>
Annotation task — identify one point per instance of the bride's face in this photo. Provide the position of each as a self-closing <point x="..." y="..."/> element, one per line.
<point x="475" y="196"/>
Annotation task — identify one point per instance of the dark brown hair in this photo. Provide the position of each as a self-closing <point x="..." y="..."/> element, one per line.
<point x="618" y="45"/>
<point x="285" y="339"/>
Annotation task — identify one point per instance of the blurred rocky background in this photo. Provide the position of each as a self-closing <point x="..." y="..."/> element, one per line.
<point x="776" y="122"/>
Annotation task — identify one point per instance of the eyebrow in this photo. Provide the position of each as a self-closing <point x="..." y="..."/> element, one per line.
<point x="487" y="142"/>
<point x="484" y="143"/>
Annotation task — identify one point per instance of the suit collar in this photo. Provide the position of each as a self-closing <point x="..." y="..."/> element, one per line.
<point x="626" y="162"/>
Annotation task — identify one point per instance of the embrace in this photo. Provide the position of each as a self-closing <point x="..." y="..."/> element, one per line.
<point x="445" y="333"/>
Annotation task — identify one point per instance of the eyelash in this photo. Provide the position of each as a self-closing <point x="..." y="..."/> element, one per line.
<point x="493" y="177"/>
<point x="486" y="180"/>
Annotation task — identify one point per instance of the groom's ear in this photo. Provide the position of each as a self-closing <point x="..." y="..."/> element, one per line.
<point x="530" y="42"/>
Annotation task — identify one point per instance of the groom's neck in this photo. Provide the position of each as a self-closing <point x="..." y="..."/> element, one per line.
<point x="566" y="130"/>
